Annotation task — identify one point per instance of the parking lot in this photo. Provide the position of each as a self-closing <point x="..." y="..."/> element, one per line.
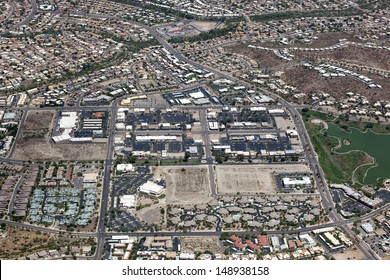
<point x="378" y="244"/>
<point x="123" y="221"/>
<point x="257" y="143"/>
<point x="92" y="122"/>
<point x="163" y="134"/>
<point x="261" y="118"/>
<point x="347" y="205"/>
<point x="198" y="96"/>
<point x="129" y="184"/>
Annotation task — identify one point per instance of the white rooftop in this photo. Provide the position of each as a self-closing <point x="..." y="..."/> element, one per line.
<point x="151" y="188"/>
<point x="197" y="95"/>
<point x="128" y="201"/>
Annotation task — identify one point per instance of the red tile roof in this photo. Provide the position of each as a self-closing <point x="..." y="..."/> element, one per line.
<point x="252" y="245"/>
<point x="291" y="244"/>
<point x="239" y="245"/>
<point x="263" y="240"/>
<point x="235" y="238"/>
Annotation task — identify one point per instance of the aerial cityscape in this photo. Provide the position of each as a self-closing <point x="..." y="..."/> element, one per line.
<point x="194" y="130"/>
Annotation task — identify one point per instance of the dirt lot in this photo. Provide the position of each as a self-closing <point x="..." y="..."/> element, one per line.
<point x="386" y="258"/>
<point x="204" y="25"/>
<point x="284" y="124"/>
<point x="21" y="243"/>
<point x="324" y="40"/>
<point x="265" y="59"/>
<point x="33" y="143"/>
<point x="185" y="185"/>
<point x="38" y="120"/>
<point x="150" y="215"/>
<point x="309" y="81"/>
<point x="329" y="39"/>
<point x="355" y="55"/>
<point x="252" y="179"/>
<point x="201" y="244"/>
<point x="350" y="254"/>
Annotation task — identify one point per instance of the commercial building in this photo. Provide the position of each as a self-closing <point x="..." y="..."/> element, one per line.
<point x="128" y="201"/>
<point x="123" y="167"/>
<point x="147" y="138"/>
<point x="151" y="188"/>
<point x="294" y="182"/>
<point x="368" y="228"/>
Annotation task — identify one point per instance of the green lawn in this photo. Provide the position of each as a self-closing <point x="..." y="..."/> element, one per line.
<point x="363" y="126"/>
<point x="337" y="168"/>
<point x="375" y="145"/>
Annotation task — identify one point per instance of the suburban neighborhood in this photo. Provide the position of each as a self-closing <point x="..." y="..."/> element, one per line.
<point x="193" y="130"/>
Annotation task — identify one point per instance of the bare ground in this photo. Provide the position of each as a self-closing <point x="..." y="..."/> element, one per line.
<point x="201" y="244"/>
<point x="350" y="254"/>
<point x="309" y="81"/>
<point x="150" y="215"/>
<point x="34" y="143"/>
<point x="184" y="185"/>
<point x="21" y="243"/>
<point x="204" y="25"/>
<point x="328" y="39"/>
<point x="251" y="179"/>
<point x="375" y="58"/>
<point x="37" y="120"/>
<point x="265" y="59"/>
<point x="324" y="40"/>
<point x="42" y="150"/>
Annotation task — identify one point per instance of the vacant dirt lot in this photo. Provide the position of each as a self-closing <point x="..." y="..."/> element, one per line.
<point x="38" y="120"/>
<point x="34" y="144"/>
<point x="329" y="39"/>
<point x="150" y="215"/>
<point x="204" y="25"/>
<point x="21" y="243"/>
<point x="185" y="185"/>
<point x="324" y="40"/>
<point x="350" y="254"/>
<point x="252" y="179"/>
<point x="309" y="81"/>
<point x="265" y="59"/>
<point x="356" y="55"/>
<point x="41" y="150"/>
<point x="201" y="244"/>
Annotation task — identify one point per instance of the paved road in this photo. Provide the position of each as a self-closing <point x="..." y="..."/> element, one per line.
<point x="12" y="201"/>
<point x="311" y="159"/>
<point x="33" y="12"/>
<point x="17" y="136"/>
<point x="106" y="183"/>
<point x="207" y="147"/>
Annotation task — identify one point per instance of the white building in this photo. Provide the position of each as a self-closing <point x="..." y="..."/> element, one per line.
<point x="292" y="133"/>
<point x="128" y="201"/>
<point x="213" y="125"/>
<point x="368" y="228"/>
<point x="125" y="167"/>
<point x="197" y="95"/>
<point x="187" y="256"/>
<point x="332" y="239"/>
<point x="90" y="177"/>
<point x="307" y="240"/>
<point x="151" y="188"/>
<point x="294" y="182"/>
<point x="68" y="120"/>
<point x="147" y="138"/>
